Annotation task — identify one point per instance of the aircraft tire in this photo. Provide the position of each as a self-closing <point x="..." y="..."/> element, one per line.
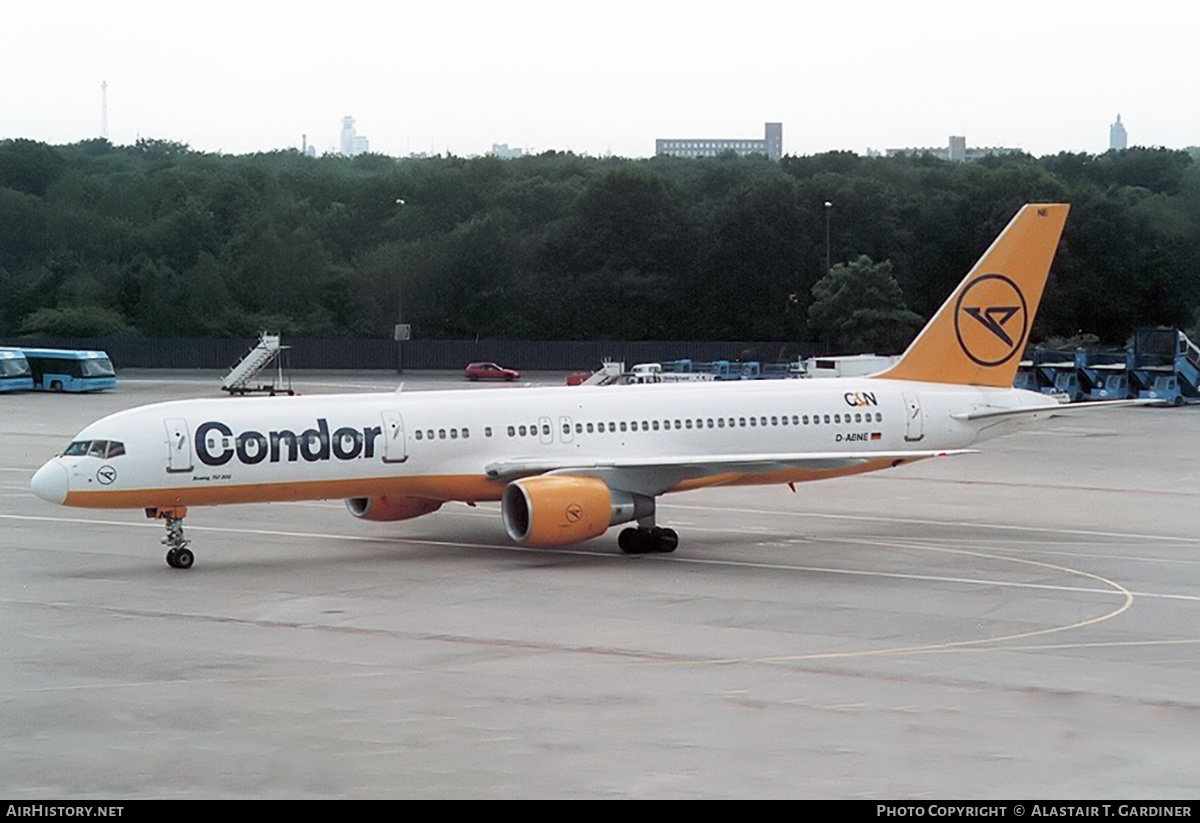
<point x="635" y="541"/>
<point x="173" y="559"/>
<point x="665" y="540"/>
<point x="184" y="558"/>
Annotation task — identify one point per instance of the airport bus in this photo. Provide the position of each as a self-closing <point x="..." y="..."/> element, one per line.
<point x="70" y="370"/>
<point x="14" y="371"/>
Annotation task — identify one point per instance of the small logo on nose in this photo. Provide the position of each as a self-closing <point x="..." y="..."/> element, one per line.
<point x="105" y="475"/>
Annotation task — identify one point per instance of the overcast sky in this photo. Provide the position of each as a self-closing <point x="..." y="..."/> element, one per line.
<point x="603" y="77"/>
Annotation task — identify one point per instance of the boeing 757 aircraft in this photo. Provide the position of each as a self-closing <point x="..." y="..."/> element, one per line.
<point x="568" y="463"/>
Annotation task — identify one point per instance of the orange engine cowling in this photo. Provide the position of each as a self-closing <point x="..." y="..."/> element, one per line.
<point x="556" y="510"/>
<point x="387" y="507"/>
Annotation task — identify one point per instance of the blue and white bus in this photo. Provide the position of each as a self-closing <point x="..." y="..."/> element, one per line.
<point x="70" y="370"/>
<point x="14" y="371"/>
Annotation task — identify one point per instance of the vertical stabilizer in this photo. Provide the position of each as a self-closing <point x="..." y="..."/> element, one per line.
<point x="978" y="335"/>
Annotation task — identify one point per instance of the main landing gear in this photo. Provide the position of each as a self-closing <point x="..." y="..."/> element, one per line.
<point x="648" y="540"/>
<point x="179" y="556"/>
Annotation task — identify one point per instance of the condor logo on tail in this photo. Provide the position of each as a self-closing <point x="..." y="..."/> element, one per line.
<point x="991" y="319"/>
<point x="976" y="337"/>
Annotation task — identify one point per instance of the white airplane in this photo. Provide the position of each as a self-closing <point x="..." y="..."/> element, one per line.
<point x="568" y="463"/>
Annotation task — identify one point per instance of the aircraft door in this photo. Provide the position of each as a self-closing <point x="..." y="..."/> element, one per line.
<point x="914" y="421"/>
<point x="394" y="446"/>
<point x="564" y="423"/>
<point x="179" y="445"/>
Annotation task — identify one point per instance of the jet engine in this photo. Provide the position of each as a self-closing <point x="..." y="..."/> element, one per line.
<point x="558" y="510"/>
<point x="387" y="507"/>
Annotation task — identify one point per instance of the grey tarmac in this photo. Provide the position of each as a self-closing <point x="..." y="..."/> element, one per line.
<point x="1020" y="623"/>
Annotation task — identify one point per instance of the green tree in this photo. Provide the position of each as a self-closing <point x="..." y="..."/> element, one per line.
<point x="859" y="308"/>
<point x="91" y="321"/>
<point x="29" y="166"/>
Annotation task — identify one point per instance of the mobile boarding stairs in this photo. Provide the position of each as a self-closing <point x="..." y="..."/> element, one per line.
<point x="268" y="351"/>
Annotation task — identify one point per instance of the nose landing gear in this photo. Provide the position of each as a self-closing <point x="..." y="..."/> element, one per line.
<point x="179" y="556"/>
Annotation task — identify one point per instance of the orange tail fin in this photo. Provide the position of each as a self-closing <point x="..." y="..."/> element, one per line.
<point x="977" y="336"/>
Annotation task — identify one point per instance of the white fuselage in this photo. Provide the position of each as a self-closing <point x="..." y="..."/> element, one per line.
<point x="440" y="445"/>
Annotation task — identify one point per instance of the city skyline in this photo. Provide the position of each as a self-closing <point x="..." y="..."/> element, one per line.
<point x="599" y="78"/>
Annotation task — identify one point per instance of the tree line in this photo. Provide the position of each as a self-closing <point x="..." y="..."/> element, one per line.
<point x="158" y="240"/>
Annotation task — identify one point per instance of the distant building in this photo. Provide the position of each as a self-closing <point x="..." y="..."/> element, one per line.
<point x="502" y="151"/>
<point x="1117" y="138"/>
<point x="352" y="142"/>
<point x="956" y="150"/>
<point x="771" y="145"/>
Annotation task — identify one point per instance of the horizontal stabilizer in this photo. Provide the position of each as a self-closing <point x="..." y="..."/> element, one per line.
<point x="1053" y="409"/>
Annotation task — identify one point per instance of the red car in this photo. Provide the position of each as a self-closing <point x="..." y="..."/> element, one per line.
<point x="489" y="371"/>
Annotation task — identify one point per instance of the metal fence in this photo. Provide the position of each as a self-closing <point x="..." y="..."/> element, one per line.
<point x="533" y="355"/>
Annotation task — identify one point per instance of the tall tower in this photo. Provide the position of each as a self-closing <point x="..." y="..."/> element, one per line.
<point x="104" y="109"/>
<point x="1117" y="138"/>
<point x="352" y="142"/>
<point x="773" y="140"/>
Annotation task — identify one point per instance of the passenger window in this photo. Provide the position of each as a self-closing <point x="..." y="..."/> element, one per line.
<point x="418" y="434"/>
<point x="512" y="432"/>
<point x="454" y="434"/>
<point x="522" y="430"/>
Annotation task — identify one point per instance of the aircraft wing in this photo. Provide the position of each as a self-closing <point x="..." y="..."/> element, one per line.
<point x="655" y="475"/>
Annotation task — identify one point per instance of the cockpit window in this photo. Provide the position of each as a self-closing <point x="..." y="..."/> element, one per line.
<point x="95" y="448"/>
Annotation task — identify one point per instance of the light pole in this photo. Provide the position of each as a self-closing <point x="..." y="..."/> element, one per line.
<point x="828" y="256"/>
<point x="401" y="334"/>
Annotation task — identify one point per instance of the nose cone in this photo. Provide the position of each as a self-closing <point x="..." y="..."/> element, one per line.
<point x="50" y="482"/>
